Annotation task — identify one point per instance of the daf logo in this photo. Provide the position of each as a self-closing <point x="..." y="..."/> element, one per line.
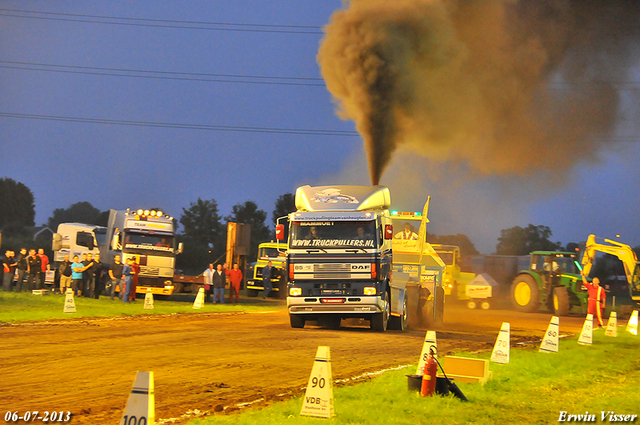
<point x="359" y="267"/>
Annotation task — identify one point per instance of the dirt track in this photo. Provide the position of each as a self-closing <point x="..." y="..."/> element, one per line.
<point x="212" y="362"/>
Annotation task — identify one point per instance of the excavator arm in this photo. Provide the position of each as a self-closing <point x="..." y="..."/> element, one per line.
<point x="623" y="252"/>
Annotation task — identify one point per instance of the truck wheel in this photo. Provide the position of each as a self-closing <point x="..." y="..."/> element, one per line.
<point x="252" y="293"/>
<point x="195" y="289"/>
<point x="401" y="323"/>
<point x="297" y="321"/>
<point x="380" y="321"/>
<point x="525" y="294"/>
<point x="561" y="304"/>
<point x="177" y="287"/>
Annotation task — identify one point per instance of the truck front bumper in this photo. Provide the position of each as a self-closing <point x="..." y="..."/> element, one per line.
<point x="347" y="305"/>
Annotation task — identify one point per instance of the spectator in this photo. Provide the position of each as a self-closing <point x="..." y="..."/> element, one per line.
<point x="21" y="261"/>
<point x="266" y="280"/>
<point x="77" y="275"/>
<point x="115" y="274"/>
<point x="64" y="269"/>
<point x="88" y="274"/>
<point x="208" y="282"/>
<point x="135" y="267"/>
<point x="34" y="268"/>
<point x="219" y="282"/>
<point x="235" y="278"/>
<point x="9" y="267"/>
<point x="44" y="267"/>
<point x="96" y="271"/>
<point x="127" y="272"/>
<point x="82" y="288"/>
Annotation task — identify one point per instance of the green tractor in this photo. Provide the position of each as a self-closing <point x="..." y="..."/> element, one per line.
<point x="553" y="280"/>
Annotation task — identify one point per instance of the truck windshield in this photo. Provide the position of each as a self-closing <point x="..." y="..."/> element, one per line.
<point x="333" y="234"/>
<point x="139" y="242"/>
<point x="270" y="253"/>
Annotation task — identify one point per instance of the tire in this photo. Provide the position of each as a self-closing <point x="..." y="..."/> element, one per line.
<point x="525" y="295"/>
<point x="177" y="287"/>
<point x="561" y="305"/>
<point x="485" y="305"/>
<point x="252" y="293"/>
<point x="401" y="323"/>
<point x="380" y="321"/>
<point x="195" y="289"/>
<point x="472" y="305"/>
<point x="296" y="321"/>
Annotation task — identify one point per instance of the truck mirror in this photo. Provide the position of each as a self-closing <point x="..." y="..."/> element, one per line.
<point x="180" y="248"/>
<point x="388" y="231"/>
<point x="280" y="232"/>
<point x="56" y="244"/>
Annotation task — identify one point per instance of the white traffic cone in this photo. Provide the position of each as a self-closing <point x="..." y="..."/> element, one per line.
<point x="148" y="300"/>
<point x="586" y="336"/>
<point x="632" y="325"/>
<point x="199" y="302"/>
<point x="429" y="343"/>
<point x="69" y="303"/>
<point x="612" y="325"/>
<point x="550" y="342"/>
<point x="318" y="399"/>
<point x="501" y="349"/>
<point x="140" y="407"/>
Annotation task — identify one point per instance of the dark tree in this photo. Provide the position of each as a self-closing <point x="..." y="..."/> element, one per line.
<point x="80" y="212"/>
<point x="459" y="240"/>
<point x="249" y="213"/>
<point x="285" y="205"/>
<point x="522" y="241"/>
<point x="203" y="235"/>
<point x="17" y="204"/>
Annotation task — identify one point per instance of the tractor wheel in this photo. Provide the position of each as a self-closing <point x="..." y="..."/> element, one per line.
<point x="401" y="323"/>
<point x="525" y="294"/>
<point x="380" y="321"/>
<point x="296" y="320"/>
<point x="472" y="304"/>
<point x="485" y="305"/>
<point x="561" y="304"/>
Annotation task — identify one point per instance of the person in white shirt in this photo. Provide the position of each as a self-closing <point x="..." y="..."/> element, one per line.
<point x="407" y="233"/>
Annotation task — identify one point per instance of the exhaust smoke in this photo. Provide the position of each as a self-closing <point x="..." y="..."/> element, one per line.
<point x="498" y="86"/>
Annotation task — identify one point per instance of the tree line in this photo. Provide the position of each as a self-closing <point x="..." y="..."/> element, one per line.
<point x="204" y="230"/>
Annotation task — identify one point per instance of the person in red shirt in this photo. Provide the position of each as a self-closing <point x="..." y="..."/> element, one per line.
<point x="235" y="277"/>
<point x="597" y="298"/>
<point x="45" y="267"/>
<point x="135" y="270"/>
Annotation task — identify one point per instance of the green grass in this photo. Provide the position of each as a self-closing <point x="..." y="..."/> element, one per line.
<point x="23" y="306"/>
<point x="533" y="388"/>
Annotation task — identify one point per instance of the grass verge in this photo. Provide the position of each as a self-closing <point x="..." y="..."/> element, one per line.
<point x="533" y="388"/>
<point x="23" y="306"/>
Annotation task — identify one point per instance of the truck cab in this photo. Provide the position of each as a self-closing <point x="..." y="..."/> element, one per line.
<point x="455" y="280"/>
<point x="277" y="254"/>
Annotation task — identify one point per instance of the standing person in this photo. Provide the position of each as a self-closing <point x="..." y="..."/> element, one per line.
<point x="127" y="272"/>
<point x="96" y="270"/>
<point x="597" y="298"/>
<point x="77" y="275"/>
<point x="115" y="274"/>
<point x="208" y="282"/>
<point x="235" y="277"/>
<point x="44" y="267"/>
<point x="88" y="274"/>
<point x="266" y="280"/>
<point x="34" y="268"/>
<point x="82" y="288"/>
<point x="219" y="282"/>
<point x="9" y="266"/>
<point x="64" y="269"/>
<point x="135" y="267"/>
<point x="21" y="264"/>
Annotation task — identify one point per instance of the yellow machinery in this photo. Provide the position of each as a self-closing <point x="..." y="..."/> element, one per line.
<point x="623" y="252"/>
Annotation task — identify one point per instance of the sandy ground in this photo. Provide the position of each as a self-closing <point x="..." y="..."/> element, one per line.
<point x="213" y="362"/>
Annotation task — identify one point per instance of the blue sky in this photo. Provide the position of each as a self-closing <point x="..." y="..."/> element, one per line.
<point x="121" y="166"/>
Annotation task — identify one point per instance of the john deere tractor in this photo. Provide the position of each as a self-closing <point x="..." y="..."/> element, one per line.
<point x="553" y="280"/>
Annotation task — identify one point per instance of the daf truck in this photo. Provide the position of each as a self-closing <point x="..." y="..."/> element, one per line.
<point x="339" y="259"/>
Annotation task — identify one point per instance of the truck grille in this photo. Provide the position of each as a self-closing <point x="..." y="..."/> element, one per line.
<point x="332" y="271"/>
<point x="150" y="271"/>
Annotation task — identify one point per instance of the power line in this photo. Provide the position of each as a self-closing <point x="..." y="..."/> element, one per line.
<point x="165" y="75"/>
<point x="184" y="126"/>
<point x="165" y="23"/>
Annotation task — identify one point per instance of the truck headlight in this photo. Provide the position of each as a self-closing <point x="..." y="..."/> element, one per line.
<point x="295" y="292"/>
<point x="370" y="290"/>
